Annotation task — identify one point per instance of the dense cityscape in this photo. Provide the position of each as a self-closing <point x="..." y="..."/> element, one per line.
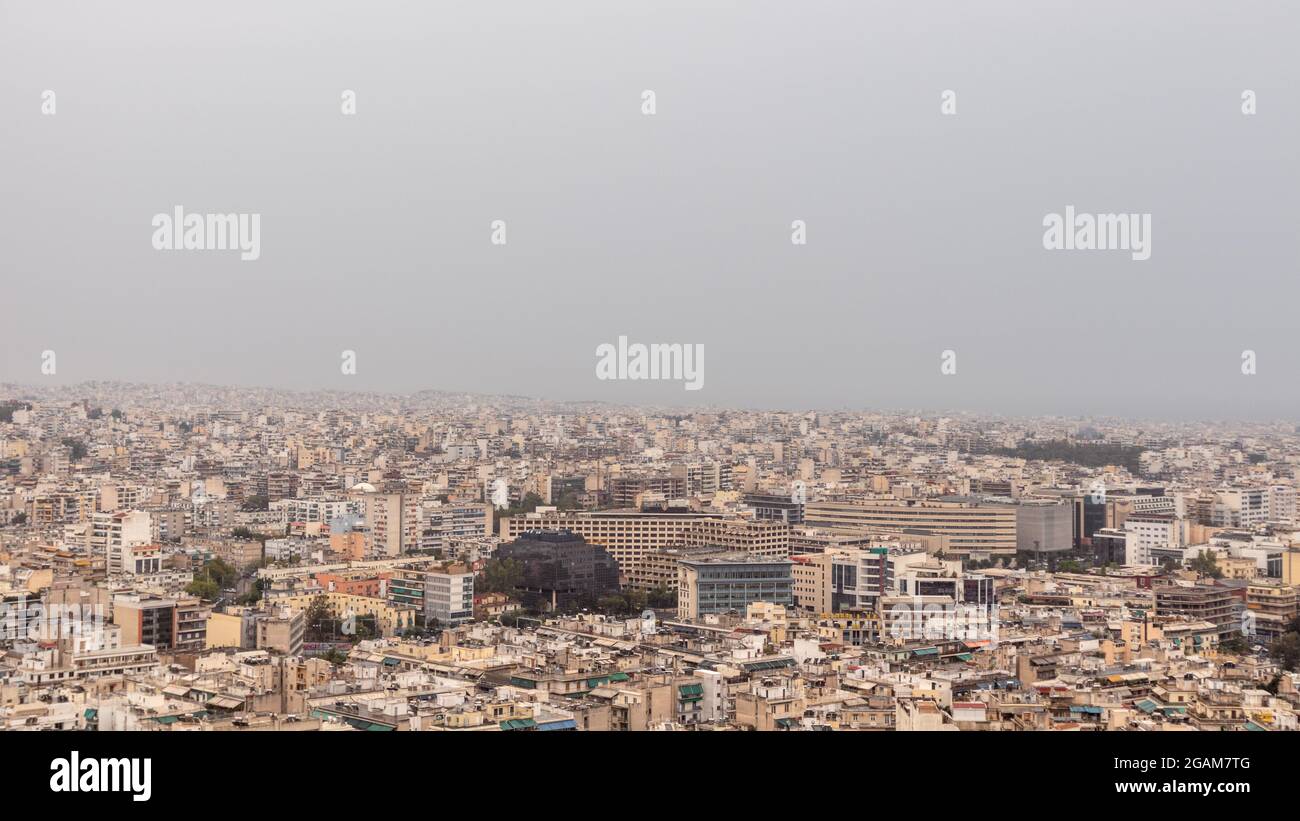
<point x="189" y="558"/>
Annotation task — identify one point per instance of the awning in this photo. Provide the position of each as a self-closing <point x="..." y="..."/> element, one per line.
<point x="767" y="664"/>
<point x="518" y="724"/>
<point x="562" y="724"/>
<point x="963" y="657"/>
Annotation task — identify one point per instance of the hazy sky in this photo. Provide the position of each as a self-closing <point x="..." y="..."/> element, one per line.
<point x="924" y="230"/>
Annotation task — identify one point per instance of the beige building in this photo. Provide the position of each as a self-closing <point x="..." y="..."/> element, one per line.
<point x="974" y="530"/>
<point x="811" y="574"/>
<point x="282" y="631"/>
<point x="629" y="536"/>
<point x="389" y="618"/>
<point x="393" y="520"/>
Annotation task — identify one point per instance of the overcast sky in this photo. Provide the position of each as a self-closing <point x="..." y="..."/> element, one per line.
<point x="924" y="231"/>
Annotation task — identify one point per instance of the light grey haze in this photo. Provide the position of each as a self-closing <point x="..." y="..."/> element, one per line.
<point x="924" y="231"/>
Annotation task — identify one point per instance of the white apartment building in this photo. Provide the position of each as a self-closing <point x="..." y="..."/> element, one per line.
<point x="110" y="533"/>
<point x="1241" y="506"/>
<point x="317" y="510"/>
<point x="1144" y="533"/>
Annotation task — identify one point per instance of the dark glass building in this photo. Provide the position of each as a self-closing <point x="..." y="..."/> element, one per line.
<point x="561" y="570"/>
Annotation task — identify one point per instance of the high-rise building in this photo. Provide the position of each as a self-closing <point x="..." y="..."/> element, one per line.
<point x="393" y="519"/>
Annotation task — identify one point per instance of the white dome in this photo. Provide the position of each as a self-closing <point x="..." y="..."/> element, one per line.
<point x="363" y="487"/>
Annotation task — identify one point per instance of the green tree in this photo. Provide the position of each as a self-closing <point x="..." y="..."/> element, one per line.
<point x="259" y="501"/>
<point x="204" y="588"/>
<point x="221" y="572"/>
<point x="613" y="604"/>
<point x="661" y="597"/>
<point x="1206" y="564"/>
<point x="1235" y="644"/>
<point x="77" y="447"/>
<point x="500" y="576"/>
<point x="1286" y="650"/>
<point x="636" y="600"/>
<point x="253" y="596"/>
<point x="7" y="409"/>
<point x="317" y="616"/>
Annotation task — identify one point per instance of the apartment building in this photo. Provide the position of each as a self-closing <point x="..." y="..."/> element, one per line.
<point x="703" y="479"/>
<point x="389" y="618"/>
<point x="440" y="524"/>
<point x="1202" y="602"/>
<point x="282" y="631"/>
<point x="111" y="533"/>
<point x="393" y="519"/>
<point x="776" y="508"/>
<point x="1272" y="606"/>
<point x="624" y="490"/>
<point x="324" y="509"/>
<point x="176" y="625"/>
<point x="1241" y="506"/>
<point x="1150" y="536"/>
<point x="810" y="577"/>
<point x="444" y="594"/>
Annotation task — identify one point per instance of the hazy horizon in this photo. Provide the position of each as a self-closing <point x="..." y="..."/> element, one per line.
<point x="925" y="231"/>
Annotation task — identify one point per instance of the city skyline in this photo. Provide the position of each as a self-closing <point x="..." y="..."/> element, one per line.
<point x="67" y="390"/>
